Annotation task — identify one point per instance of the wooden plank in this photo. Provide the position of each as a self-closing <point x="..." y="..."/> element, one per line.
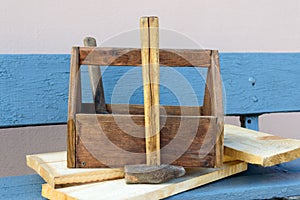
<point x="96" y="80"/>
<point x="21" y="187"/>
<point x="88" y="108"/>
<point x="194" y="177"/>
<point x="24" y="80"/>
<point x="213" y="103"/>
<point x="117" y="140"/>
<point x="105" y="56"/>
<point x="259" y="148"/>
<point x="150" y="68"/>
<point x="74" y="105"/>
<point x="52" y="167"/>
<point x="243" y="144"/>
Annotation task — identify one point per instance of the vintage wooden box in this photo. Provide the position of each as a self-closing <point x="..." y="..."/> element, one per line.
<point x="190" y="136"/>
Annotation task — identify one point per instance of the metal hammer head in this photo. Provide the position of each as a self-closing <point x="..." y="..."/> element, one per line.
<point x="152" y="174"/>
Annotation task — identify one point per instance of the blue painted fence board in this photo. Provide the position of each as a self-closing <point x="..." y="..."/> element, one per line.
<point x="256" y="183"/>
<point x="21" y="187"/>
<point x="34" y="88"/>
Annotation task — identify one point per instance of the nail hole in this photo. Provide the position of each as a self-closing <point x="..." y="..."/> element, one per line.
<point x="83" y="164"/>
<point x="253" y="84"/>
<point x="249" y="121"/>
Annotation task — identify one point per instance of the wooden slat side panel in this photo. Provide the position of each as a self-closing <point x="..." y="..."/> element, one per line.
<point x="74" y="105"/>
<point x="105" y="56"/>
<point x="212" y="103"/>
<point x="135" y="109"/>
<point x="117" y="140"/>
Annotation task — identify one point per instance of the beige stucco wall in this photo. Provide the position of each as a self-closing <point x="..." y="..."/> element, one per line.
<point x="53" y="26"/>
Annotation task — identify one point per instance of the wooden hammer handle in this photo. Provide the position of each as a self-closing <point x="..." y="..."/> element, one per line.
<point x="150" y="68"/>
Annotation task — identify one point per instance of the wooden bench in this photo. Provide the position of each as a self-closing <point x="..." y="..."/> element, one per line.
<point x="255" y="84"/>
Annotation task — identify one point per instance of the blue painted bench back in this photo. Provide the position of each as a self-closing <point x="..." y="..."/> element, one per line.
<point x="34" y="88"/>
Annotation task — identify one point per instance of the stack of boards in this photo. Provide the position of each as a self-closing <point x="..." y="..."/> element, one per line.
<point x="242" y="146"/>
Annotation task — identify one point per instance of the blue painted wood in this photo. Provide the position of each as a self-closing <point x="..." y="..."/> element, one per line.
<point x="250" y="122"/>
<point x="256" y="183"/>
<point x="34" y="88"/>
<point x="21" y="187"/>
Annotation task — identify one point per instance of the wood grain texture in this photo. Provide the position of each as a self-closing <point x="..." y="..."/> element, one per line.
<point x="213" y="103"/>
<point x="52" y="167"/>
<point x="259" y="148"/>
<point x="96" y="80"/>
<point x="88" y="108"/>
<point x="107" y="190"/>
<point x="154" y="73"/>
<point x="118" y="140"/>
<point x="74" y="105"/>
<point x="150" y="69"/>
<point x="106" y="56"/>
<point x="38" y="86"/>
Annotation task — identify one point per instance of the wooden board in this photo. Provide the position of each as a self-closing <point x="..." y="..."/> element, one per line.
<point x="240" y="144"/>
<point x="105" y="56"/>
<point x="89" y="108"/>
<point x="52" y="76"/>
<point x="52" y="167"/>
<point x="116" y="140"/>
<point x="118" y="189"/>
<point x="259" y="148"/>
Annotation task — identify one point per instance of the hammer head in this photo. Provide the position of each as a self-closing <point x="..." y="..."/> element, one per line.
<point x="152" y="174"/>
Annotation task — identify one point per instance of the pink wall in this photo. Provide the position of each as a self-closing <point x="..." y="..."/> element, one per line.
<point x="53" y="26"/>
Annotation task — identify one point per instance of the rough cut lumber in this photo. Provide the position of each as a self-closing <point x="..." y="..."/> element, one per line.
<point x="118" y="189"/>
<point x="240" y="144"/>
<point x="52" y="167"/>
<point x="259" y="148"/>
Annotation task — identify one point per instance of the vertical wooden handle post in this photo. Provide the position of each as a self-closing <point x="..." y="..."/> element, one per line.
<point x="96" y="80"/>
<point x="150" y="62"/>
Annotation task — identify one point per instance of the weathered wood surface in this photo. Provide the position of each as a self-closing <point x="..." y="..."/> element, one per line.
<point x="88" y="108"/>
<point x="106" y="56"/>
<point x="74" y="104"/>
<point x="150" y="67"/>
<point x="213" y="103"/>
<point x="259" y="148"/>
<point x="52" y="167"/>
<point x="194" y="177"/>
<point x="118" y="140"/>
<point x="42" y="82"/>
<point x="96" y="80"/>
<point x="152" y="174"/>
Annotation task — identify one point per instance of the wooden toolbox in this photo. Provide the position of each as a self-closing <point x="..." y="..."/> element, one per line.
<point x="190" y="136"/>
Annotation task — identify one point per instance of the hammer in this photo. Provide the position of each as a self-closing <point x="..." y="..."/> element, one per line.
<point x="153" y="171"/>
